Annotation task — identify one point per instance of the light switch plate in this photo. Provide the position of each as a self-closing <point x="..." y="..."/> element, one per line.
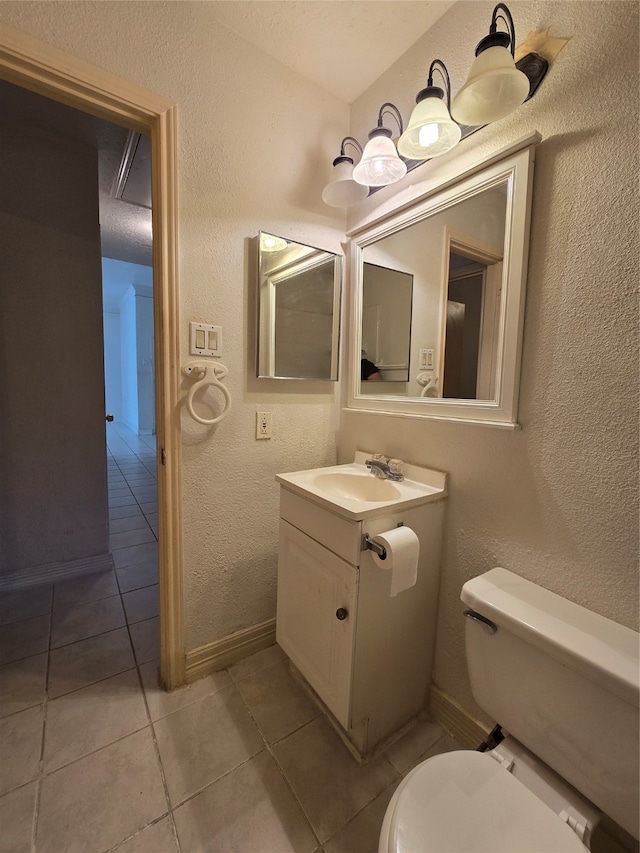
<point x="426" y="359"/>
<point x="205" y="339"/>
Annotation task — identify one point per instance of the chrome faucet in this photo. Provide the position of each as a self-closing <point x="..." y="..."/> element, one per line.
<point x="385" y="469"/>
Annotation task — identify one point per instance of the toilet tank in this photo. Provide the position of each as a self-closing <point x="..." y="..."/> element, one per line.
<point x="563" y="681"/>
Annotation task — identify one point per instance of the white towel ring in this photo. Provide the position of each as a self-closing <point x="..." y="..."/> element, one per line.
<point x="429" y="385"/>
<point x="210" y="374"/>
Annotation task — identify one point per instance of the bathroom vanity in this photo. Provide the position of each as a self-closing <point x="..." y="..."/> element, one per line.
<point x="365" y="655"/>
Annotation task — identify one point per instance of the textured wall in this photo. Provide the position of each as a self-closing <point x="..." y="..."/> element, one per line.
<point x="255" y="147"/>
<point x="557" y="501"/>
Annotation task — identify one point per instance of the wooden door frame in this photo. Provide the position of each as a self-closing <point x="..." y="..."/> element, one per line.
<point x="35" y="65"/>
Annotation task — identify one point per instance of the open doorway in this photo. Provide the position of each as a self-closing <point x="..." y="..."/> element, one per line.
<point x="33" y="65"/>
<point x="86" y="514"/>
<point x="471" y="322"/>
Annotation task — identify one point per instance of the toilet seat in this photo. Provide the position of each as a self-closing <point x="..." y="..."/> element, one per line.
<point x="467" y="801"/>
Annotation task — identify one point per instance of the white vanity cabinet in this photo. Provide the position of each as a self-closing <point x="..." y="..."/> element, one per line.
<point x="317" y="600"/>
<point x="366" y="655"/>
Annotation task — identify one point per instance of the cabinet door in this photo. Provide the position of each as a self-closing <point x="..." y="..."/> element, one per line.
<point x="313" y="585"/>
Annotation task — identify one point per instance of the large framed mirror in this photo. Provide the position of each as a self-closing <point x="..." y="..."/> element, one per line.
<point x="464" y="248"/>
<point x="298" y="310"/>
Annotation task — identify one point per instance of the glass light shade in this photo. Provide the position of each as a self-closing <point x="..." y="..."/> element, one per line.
<point x="380" y="164"/>
<point x="430" y="132"/>
<point x="494" y="88"/>
<point x="342" y="190"/>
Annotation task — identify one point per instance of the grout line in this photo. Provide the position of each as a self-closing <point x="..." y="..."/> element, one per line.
<point x="138" y="665"/>
<point x="393" y="784"/>
<point x="17" y="621"/>
<point x="98" y="680"/>
<point x="188" y="704"/>
<point x="157" y="750"/>
<point x="280" y="769"/>
<point x="138" y="504"/>
<point x="124" y="841"/>
<point x="292" y="790"/>
<point x="78" y="758"/>
<point x="92" y="636"/>
<point x="224" y="775"/>
<point x="45" y="708"/>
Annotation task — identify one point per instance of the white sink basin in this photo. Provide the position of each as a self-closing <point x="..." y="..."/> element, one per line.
<point x="354" y="493"/>
<point x="357" y="486"/>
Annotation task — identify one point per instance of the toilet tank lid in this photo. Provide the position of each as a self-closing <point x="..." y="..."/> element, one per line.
<point x="599" y="648"/>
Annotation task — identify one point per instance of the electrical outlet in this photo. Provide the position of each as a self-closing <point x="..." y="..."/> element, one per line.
<point x="263" y="425"/>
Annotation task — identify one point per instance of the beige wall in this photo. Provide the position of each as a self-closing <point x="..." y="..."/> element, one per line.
<point x="251" y="136"/>
<point x="556" y="501"/>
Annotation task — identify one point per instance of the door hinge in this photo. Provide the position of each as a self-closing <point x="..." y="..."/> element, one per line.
<point x="163" y="456"/>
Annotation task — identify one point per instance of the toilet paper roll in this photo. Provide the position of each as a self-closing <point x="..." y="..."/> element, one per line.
<point x="403" y="549"/>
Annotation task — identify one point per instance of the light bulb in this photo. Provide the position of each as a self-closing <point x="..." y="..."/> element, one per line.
<point x="380" y="164"/>
<point x="428" y="134"/>
<point x="431" y="131"/>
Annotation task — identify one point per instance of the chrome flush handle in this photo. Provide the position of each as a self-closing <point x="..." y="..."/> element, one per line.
<point x="486" y="624"/>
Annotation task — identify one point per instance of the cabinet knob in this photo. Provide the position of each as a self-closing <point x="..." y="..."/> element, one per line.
<point x="341" y="613"/>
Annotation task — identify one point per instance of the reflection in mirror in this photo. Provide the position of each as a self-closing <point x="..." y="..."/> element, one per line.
<point x="454" y="259"/>
<point x="471" y="323"/>
<point x="386" y="324"/>
<point x="299" y="310"/>
<point x="463" y="248"/>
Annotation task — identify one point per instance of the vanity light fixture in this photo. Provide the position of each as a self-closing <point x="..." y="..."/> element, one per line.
<point x="342" y="190"/>
<point x="380" y="164"/>
<point x="431" y="129"/>
<point x="494" y="86"/>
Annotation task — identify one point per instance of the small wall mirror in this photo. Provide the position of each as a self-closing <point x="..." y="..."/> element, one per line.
<point x="298" y="310"/>
<point x="453" y="266"/>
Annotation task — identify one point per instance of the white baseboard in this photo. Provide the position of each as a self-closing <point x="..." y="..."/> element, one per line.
<point x="54" y="572"/>
<point x="468" y="731"/>
<point x="229" y="650"/>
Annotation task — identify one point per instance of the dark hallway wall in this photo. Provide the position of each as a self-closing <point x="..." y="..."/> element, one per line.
<point x="53" y="498"/>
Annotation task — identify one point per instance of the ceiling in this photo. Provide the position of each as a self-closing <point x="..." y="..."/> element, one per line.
<point x="342" y="46"/>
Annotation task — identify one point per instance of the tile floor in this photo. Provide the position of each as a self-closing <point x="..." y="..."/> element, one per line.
<point x="96" y="757"/>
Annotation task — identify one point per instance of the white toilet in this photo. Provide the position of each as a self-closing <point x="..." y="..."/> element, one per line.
<point x="564" y="684"/>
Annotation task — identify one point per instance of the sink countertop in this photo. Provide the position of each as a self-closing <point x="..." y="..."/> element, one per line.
<point x="420" y="486"/>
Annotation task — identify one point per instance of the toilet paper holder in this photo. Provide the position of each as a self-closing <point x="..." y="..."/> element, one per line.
<point x="369" y="544"/>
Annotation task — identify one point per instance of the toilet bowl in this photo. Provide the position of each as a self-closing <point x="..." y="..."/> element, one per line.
<point x="564" y="682"/>
<point x="469" y="801"/>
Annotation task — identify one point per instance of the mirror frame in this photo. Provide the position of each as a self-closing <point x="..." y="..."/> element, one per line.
<point x="515" y="168"/>
<point x="265" y="337"/>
